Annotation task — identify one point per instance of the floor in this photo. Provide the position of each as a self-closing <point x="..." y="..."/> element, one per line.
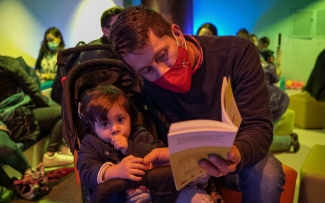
<point x="307" y="139"/>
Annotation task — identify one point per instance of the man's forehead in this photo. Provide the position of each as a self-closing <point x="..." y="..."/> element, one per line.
<point x="140" y="58"/>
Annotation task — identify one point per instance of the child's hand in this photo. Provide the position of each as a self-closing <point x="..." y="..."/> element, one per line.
<point x="120" y="143"/>
<point x="131" y="168"/>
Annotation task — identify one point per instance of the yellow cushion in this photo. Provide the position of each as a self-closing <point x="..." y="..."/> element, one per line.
<point x="309" y="113"/>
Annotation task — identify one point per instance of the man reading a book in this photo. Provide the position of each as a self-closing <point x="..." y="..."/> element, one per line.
<point x="183" y="76"/>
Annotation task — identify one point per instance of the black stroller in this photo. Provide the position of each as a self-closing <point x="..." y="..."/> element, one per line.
<point x="90" y="74"/>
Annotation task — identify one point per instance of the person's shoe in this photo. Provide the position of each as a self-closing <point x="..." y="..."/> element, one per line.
<point x="295" y="142"/>
<point x="65" y="151"/>
<point x="28" y="192"/>
<point x="57" y="160"/>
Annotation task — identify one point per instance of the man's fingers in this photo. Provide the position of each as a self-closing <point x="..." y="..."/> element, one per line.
<point x="149" y="158"/>
<point x="234" y="155"/>
<point x="210" y="168"/>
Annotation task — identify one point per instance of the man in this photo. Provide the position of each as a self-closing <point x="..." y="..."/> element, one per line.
<point x="183" y="75"/>
<point x="263" y="47"/>
<point x="107" y="19"/>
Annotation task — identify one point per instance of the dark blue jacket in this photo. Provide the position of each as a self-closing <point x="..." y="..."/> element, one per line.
<point x="94" y="153"/>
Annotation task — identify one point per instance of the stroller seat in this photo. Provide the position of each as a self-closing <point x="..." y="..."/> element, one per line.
<point x="90" y="74"/>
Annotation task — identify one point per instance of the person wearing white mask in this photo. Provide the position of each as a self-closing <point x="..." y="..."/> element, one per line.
<point x="46" y="62"/>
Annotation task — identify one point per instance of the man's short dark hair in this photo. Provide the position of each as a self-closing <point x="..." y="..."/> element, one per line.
<point x="105" y="20"/>
<point x="265" y="40"/>
<point x="130" y="31"/>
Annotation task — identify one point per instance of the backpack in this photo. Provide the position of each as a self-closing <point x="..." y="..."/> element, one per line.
<point x="15" y="113"/>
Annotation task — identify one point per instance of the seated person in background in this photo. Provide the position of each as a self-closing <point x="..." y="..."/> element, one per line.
<point x="20" y="99"/>
<point x="243" y="33"/>
<point x="46" y="61"/>
<point x="207" y="29"/>
<point x="254" y="39"/>
<point x="279" y="102"/>
<point x="106" y="21"/>
<point x="263" y="47"/>
<point x="10" y="154"/>
<point x="316" y="82"/>
<point x="183" y="76"/>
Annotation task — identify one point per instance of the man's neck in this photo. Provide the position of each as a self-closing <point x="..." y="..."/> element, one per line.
<point x="193" y="51"/>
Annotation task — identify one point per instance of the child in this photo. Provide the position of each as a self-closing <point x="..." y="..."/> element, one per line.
<point x="113" y="145"/>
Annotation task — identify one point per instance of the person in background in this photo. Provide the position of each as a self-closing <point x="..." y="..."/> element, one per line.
<point x="316" y="82"/>
<point x="263" y="47"/>
<point x="279" y="102"/>
<point x="243" y="33"/>
<point x="11" y="154"/>
<point x="207" y="29"/>
<point x="254" y="39"/>
<point x="107" y="19"/>
<point x="52" y="43"/>
<point x="22" y="106"/>
<point x="183" y="76"/>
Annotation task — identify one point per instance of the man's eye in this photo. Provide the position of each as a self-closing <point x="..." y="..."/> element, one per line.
<point x="146" y="70"/>
<point x="162" y="56"/>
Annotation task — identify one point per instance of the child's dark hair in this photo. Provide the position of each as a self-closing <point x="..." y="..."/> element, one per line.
<point x="95" y="104"/>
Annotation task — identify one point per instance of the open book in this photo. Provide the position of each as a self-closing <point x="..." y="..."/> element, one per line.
<point x="191" y="141"/>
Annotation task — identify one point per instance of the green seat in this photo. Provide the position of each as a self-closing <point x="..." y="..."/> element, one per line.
<point x="286" y="123"/>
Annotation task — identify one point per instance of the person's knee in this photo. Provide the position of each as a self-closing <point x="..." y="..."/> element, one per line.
<point x="268" y="170"/>
<point x="275" y="172"/>
<point x="193" y="195"/>
<point x="8" y="148"/>
<point x="272" y="173"/>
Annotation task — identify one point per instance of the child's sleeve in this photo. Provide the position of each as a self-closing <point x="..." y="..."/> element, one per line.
<point x="141" y="142"/>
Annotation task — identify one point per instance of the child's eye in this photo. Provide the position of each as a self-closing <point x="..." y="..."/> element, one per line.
<point x="103" y="124"/>
<point x="121" y="119"/>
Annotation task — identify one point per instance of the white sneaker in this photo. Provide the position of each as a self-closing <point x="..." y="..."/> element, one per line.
<point x="65" y="151"/>
<point x="57" y="160"/>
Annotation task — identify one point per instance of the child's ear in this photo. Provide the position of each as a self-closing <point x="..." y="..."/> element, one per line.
<point x="81" y="116"/>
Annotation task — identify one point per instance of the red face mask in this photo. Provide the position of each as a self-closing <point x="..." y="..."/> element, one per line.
<point x="179" y="77"/>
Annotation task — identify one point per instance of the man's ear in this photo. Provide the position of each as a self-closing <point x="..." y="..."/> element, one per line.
<point x="178" y="33"/>
<point x="105" y="31"/>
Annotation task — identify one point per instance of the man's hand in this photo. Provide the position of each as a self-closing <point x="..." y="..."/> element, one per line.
<point x="157" y="157"/>
<point x="120" y="143"/>
<point x="131" y="168"/>
<point x="216" y="166"/>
